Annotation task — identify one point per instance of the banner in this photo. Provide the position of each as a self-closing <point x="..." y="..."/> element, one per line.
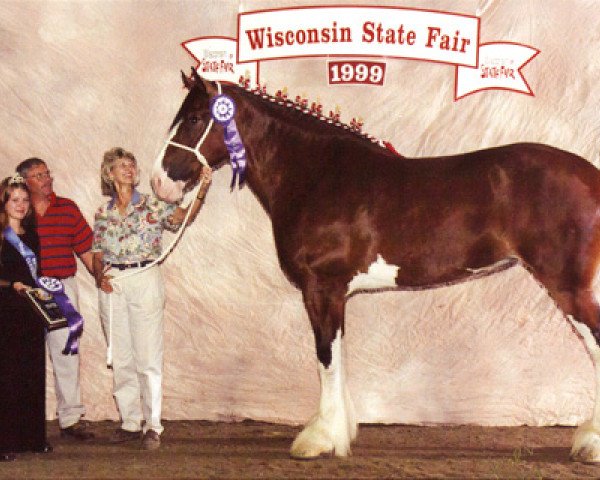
<point x="361" y="31"/>
<point x="500" y="65"/>
<point x="216" y="57"/>
<point x="358" y="31"/>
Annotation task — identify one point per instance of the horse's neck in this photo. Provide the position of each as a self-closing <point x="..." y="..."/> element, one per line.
<point x="277" y="152"/>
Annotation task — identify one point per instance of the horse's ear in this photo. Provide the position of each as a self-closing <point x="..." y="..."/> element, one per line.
<point x="196" y="77"/>
<point x="187" y="81"/>
<point x="210" y="87"/>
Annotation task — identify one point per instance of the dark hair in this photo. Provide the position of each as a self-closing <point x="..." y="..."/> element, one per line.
<point x="25" y="165"/>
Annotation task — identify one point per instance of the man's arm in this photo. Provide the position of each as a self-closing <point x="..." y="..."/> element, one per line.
<point x="99" y="273"/>
<point x="88" y="260"/>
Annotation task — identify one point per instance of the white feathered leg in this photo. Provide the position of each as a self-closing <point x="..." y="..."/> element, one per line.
<point x="586" y="441"/>
<point x="334" y="426"/>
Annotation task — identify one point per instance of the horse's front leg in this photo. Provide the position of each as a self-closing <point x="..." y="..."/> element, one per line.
<point x="333" y="427"/>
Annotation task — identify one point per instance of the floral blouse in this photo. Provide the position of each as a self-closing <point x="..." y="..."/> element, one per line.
<point x="135" y="236"/>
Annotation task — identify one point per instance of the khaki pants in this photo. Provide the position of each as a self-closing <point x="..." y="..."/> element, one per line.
<point x="66" y="367"/>
<point x="137" y="346"/>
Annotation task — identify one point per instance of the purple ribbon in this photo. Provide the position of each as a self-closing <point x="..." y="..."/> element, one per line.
<point x="222" y="109"/>
<point x="54" y="287"/>
<point x="237" y="153"/>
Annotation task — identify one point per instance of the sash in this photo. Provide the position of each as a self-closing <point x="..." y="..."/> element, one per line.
<point x="53" y="286"/>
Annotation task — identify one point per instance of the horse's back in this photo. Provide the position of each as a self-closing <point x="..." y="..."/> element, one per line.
<point x="530" y="201"/>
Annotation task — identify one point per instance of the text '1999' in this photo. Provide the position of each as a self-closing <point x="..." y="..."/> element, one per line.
<point x="349" y="72"/>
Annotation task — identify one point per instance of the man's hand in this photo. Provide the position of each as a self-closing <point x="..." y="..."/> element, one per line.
<point x="105" y="284"/>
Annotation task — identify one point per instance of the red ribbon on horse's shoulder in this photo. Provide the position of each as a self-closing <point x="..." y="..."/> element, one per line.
<point x="391" y="148"/>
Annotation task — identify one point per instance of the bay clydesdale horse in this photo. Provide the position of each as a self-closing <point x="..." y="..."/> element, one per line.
<point x="349" y="215"/>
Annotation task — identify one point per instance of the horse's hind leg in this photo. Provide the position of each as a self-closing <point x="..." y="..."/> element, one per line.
<point x="583" y="312"/>
<point x="565" y="261"/>
<point x="586" y="441"/>
<point x="333" y="427"/>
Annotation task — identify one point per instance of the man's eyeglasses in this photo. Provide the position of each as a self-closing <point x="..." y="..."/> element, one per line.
<point x="41" y="176"/>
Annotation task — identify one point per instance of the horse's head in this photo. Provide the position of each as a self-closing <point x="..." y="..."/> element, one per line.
<point x="194" y="139"/>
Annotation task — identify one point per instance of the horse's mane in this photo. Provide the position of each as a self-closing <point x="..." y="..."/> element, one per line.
<point x="319" y="123"/>
<point x="295" y="113"/>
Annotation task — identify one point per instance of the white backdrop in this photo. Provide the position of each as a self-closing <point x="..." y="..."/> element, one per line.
<point x="77" y="78"/>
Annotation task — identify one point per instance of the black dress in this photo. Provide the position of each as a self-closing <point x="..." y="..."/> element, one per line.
<point x="22" y="357"/>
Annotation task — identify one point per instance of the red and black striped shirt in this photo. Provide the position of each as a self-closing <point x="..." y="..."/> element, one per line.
<point x="63" y="231"/>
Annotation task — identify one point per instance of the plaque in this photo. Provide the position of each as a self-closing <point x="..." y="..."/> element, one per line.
<point x="47" y="308"/>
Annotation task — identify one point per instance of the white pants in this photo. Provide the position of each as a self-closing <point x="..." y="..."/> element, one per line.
<point x="66" y="367"/>
<point x="137" y="346"/>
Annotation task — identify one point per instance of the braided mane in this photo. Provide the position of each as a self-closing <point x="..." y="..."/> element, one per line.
<point x="314" y="111"/>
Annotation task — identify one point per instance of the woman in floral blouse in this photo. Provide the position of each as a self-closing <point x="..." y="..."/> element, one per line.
<point x="128" y="236"/>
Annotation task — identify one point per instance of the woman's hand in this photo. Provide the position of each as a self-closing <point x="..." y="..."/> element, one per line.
<point x="20" y="288"/>
<point x="178" y="216"/>
<point x="206" y="179"/>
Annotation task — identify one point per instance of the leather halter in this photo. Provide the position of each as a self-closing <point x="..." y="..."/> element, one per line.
<point x="195" y="150"/>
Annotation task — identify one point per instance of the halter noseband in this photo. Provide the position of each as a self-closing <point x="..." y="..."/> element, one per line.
<point x="222" y="111"/>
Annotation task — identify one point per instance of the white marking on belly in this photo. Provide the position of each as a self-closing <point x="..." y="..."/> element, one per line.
<point x="379" y="275"/>
<point x="494" y="267"/>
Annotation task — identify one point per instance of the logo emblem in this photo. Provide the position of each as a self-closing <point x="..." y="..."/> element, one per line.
<point x="222" y="109"/>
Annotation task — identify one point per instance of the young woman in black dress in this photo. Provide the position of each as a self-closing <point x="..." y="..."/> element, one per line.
<point x="22" y="346"/>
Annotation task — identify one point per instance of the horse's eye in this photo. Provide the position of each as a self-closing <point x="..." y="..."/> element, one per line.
<point x="194" y="119"/>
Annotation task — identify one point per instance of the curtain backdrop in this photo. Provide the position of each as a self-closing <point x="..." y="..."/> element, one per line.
<point x="79" y="77"/>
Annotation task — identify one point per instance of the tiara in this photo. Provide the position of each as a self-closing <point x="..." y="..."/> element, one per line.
<point x="16" y="178"/>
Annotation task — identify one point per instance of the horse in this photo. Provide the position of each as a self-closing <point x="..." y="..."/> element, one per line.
<point x="350" y="215"/>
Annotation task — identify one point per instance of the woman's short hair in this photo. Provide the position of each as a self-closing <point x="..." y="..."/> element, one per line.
<point x="108" y="162"/>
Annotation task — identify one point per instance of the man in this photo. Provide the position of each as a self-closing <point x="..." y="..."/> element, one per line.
<point x="63" y="232"/>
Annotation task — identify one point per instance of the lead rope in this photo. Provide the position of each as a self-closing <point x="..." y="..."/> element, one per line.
<point x="120" y="278"/>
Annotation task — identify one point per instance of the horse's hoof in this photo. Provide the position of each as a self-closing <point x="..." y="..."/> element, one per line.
<point x="587" y="454"/>
<point x="309" y="447"/>
<point x="303" y="450"/>
<point x="309" y="454"/>
<point x="586" y="444"/>
<point x="583" y="459"/>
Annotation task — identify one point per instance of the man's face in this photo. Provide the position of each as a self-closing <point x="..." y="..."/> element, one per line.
<point x="39" y="180"/>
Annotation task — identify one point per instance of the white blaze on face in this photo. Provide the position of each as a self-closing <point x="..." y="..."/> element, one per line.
<point x="379" y="275"/>
<point x="165" y="188"/>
